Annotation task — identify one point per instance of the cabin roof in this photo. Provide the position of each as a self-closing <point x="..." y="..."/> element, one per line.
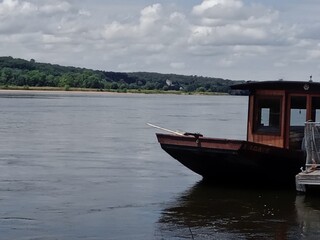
<point x="279" y="85"/>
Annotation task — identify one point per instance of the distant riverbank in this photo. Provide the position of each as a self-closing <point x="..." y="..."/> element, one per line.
<point x="91" y="90"/>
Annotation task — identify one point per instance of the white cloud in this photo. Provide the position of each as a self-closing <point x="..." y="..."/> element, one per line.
<point x="84" y="12"/>
<point x="150" y="17"/>
<point x="154" y="23"/>
<point x="156" y="31"/>
<point x="177" y="65"/>
<point x="225" y="62"/>
<point x="222" y="38"/>
<point x="227" y="35"/>
<point x="7" y="6"/>
<point x="210" y="6"/>
<point x="118" y="31"/>
<point x="14" y="8"/>
<point x="51" y="39"/>
<point x="230" y="22"/>
<point x="314" y="54"/>
<point x="56" y="7"/>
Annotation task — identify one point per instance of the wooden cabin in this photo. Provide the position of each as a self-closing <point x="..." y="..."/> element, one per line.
<point x="278" y="111"/>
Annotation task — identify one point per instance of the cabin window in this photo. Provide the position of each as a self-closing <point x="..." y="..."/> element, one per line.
<point x="298" y="111"/>
<point x="267" y="115"/>
<point x="298" y="114"/>
<point x="315" y="111"/>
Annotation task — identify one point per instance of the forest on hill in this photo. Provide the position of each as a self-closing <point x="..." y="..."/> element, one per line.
<point x="24" y="73"/>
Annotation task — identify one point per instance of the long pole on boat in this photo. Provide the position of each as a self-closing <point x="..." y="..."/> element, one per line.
<point x="165" y="129"/>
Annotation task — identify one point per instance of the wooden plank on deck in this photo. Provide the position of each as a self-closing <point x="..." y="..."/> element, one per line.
<point x="307" y="178"/>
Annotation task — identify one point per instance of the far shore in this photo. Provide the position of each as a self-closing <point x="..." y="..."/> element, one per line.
<point x="58" y="91"/>
<point x="15" y="89"/>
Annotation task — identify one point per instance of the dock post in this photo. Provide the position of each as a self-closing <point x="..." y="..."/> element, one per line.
<point x="300" y="187"/>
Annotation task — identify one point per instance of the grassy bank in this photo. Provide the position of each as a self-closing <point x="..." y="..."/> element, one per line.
<point x="144" y="91"/>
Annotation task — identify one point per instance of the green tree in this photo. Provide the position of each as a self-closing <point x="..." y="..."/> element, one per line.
<point x="6" y="76"/>
<point x="114" y="85"/>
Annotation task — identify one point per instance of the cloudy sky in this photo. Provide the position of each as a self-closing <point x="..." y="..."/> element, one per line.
<point x="234" y="39"/>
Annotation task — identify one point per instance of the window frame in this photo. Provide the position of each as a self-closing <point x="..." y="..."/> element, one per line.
<point x="267" y="130"/>
<point x="313" y="110"/>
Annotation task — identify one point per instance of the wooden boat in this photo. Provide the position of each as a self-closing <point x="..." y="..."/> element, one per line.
<point x="272" y="152"/>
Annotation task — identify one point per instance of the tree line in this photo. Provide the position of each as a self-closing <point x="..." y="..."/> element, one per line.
<point x="20" y="72"/>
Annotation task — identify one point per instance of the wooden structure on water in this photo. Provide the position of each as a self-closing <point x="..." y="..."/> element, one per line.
<point x="272" y="152"/>
<point x="305" y="180"/>
<point x="310" y="177"/>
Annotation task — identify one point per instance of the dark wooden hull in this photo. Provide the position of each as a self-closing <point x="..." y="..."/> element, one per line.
<point x="234" y="161"/>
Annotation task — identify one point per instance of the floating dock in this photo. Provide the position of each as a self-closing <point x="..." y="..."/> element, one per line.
<point x="310" y="177"/>
<point x="307" y="179"/>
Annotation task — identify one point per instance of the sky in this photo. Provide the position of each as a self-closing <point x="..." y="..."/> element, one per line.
<point x="230" y="39"/>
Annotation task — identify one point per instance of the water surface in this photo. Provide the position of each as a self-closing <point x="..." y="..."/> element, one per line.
<point x="86" y="166"/>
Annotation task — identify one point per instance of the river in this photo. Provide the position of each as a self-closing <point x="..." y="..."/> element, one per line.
<point x="86" y="166"/>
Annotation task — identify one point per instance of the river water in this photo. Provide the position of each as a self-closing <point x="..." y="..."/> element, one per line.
<point x="86" y="166"/>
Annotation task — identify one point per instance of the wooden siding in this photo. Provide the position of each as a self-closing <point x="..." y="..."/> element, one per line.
<point x="283" y="139"/>
<point x="276" y="140"/>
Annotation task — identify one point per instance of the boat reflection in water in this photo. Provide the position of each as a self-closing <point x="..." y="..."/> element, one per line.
<point x="207" y="212"/>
